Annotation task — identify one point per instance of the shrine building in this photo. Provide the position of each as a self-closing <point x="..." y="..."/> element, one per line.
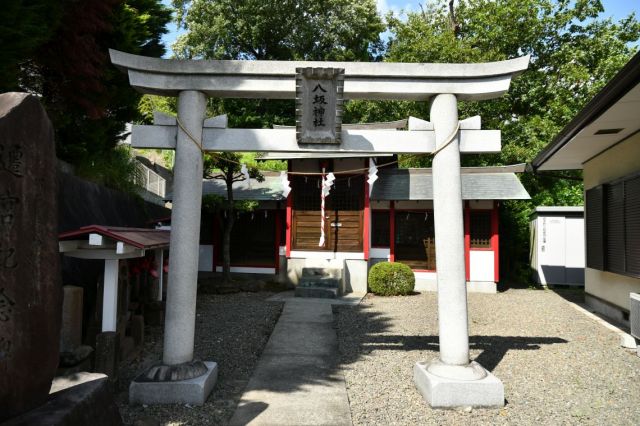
<point x="394" y="223"/>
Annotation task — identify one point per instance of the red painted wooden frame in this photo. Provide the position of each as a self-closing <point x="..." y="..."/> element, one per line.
<point x="467" y="240"/>
<point x="495" y="241"/>
<point x="392" y="231"/>
<point x="365" y="223"/>
<point x="278" y="231"/>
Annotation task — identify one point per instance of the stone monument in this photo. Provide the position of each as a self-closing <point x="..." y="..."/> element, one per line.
<point x="30" y="291"/>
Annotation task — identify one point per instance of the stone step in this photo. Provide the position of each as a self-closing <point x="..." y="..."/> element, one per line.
<point x="322" y="272"/>
<point x="318" y="292"/>
<point x="325" y="282"/>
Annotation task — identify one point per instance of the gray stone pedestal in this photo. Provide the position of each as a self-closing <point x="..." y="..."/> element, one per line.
<point x="193" y="391"/>
<point x="464" y="386"/>
<point x="77" y="400"/>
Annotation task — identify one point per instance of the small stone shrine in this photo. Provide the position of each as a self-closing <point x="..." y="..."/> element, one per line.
<point x="30" y="290"/>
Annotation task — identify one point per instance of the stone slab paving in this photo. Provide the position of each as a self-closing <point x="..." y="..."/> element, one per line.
<point x="298" y="380"/>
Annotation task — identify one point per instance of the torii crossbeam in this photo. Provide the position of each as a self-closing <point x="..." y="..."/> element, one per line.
<point x="449" y="381"/>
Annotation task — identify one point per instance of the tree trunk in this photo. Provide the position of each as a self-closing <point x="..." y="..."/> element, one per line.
<point x="226" y="232"/>
<point x="226" y="247"/>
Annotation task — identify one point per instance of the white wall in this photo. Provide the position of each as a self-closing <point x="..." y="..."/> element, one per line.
<point x="205" y="258"/>
<point x="481" y="265"/>
<point x="618" y="161"/>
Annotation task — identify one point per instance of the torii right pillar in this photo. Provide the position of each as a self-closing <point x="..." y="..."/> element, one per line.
<point x="452" y="381"/>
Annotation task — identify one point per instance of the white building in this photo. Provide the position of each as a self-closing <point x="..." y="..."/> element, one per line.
<point x="557" y="245"/>
<point x="603" y="140"/>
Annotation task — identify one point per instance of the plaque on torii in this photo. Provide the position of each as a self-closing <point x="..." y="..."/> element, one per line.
<point x="448" y="381"/>
<point x="319" y="105"/>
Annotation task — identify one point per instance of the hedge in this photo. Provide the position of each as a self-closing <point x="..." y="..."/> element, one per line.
<point x="391" y="279"/>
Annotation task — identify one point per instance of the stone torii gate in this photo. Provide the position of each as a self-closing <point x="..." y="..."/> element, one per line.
<point x="449" y="381"/>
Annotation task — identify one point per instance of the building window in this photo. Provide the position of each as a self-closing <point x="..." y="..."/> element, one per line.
<point x="480" y="229"/>
<point x="253" y="239"/>
<point x="415" y="240"/>
<point x="614" y="244"/>
<point x="306" y="192"/>
<point x="632" y="226"/>
<point x="347" y="193"/>
<point x="613" y="227"/>
<point x="595" y="227"/>
<point x="380" y="228"/>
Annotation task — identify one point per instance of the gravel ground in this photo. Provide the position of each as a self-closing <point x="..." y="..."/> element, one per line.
<point x="232" y="330"/>
<point x="558" y="366"/>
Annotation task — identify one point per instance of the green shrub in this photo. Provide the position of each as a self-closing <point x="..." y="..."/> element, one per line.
<point x="391" y="279"/>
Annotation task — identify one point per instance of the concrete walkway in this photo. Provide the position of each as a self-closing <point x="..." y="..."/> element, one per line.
<point x="298" y="380"/>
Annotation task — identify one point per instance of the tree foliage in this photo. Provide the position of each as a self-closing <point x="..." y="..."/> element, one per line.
<point x="67" y="64"/>
<point x="574" y="53"/>
<point x="339" y="30"/>
<point x="26" y="26"/>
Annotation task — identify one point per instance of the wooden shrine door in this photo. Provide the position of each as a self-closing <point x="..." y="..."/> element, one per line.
<point x="343" y="219"/>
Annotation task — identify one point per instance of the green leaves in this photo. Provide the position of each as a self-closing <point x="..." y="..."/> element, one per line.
<point x="574" y="53"/>
<point x="341" y="30"/>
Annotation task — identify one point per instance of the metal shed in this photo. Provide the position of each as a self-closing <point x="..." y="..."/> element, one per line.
<point x="557" y="245"/>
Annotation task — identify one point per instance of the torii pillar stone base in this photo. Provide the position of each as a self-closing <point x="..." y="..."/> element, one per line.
<point x="451" y="381"/>
<point x="465" y="391"/>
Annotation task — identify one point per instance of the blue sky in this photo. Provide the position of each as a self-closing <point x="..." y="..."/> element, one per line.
<point x="617" y="9"/>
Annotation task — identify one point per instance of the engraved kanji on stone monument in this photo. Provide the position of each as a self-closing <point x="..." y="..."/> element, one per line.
<point x="11" y="160"/>
<point x="7" y="210"/>
<point x="319" y="98"/>
<point x="30" y="291"/>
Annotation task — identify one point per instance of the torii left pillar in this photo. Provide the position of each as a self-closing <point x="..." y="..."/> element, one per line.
<point x="179" y="330"/>
<point x="181" y="379"/>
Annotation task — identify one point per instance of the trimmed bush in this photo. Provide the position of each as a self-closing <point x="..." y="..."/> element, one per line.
<point x="391" y="279"/>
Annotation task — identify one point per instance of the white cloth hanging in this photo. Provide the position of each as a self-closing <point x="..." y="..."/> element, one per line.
<point x="373" y="175"/>
<point x="245" y="172"/>
<point x="284" y="180"/>
<point x="327" y="183"/>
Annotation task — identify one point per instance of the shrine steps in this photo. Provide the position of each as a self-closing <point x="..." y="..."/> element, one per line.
<point x="322" y="283"/>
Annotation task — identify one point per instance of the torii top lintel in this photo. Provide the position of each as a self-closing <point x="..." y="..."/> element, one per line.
<point x="276" y="79"/>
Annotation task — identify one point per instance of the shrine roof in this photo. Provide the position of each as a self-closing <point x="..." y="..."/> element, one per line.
<point x="417" y="184"/>
<point x="478" y="183"/>
<point x="142" y="238"/>
<point x="268" y="190"/>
